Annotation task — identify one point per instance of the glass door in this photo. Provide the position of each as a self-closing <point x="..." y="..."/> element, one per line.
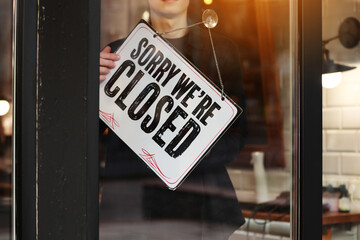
<point x="242" y="188"/>
<point x="253" y="175"/>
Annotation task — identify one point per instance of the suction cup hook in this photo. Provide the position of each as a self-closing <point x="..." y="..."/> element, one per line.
<point x="210" y="18"/>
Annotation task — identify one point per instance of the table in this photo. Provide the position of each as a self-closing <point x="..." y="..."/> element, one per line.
<point x="328" y="219"/>
<point x="333" y="218"/>
<point x="264" y="215"/>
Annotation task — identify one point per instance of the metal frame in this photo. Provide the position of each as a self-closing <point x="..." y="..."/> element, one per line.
<point x="308" y="170"/>
<point x="24" y="131"/>
<point x="56" y="119"/>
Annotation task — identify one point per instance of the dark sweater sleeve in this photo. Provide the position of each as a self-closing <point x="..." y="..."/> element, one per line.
<point x="116" y="44"/>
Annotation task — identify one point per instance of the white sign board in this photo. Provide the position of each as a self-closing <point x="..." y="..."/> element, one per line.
<point x="162" y="107"/>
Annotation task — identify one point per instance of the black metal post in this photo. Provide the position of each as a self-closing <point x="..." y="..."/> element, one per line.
<point x="310" y="168"/>
<point x="57" y="119"/>
<point x="25" y="119"/>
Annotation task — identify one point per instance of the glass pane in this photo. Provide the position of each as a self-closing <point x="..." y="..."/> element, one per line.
<point x="341" y="117"/>
<point x="5" y="117"/>
<point x="241" y="189"/>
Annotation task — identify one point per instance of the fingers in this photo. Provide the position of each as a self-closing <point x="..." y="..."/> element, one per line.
<point x="107" y="49"/>
<point x="109" y="56"/>
<point x="107" y="62"/>
<point x="102" y="78"/>
<point x="106" y="54"/>
<point x="104" y="70"/>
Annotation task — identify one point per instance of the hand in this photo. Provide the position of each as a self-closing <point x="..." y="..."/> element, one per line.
<point x="107" y="62"/>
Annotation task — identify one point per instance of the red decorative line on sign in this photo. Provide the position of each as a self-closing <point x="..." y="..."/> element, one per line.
<point x="109" y="119"/>
<point x="150" y="159"/>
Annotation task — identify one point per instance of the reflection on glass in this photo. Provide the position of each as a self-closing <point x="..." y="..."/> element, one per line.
<point x="5" y="117"/>
<point x="241" y="189"/>
<point x="4" y="107"/>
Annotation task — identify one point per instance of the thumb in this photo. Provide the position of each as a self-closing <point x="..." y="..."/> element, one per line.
<point x="107" y="49"/>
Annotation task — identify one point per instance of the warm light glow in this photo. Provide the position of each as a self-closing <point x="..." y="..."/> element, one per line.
<point x="208" y="2"/>
<point x="4" y="107"/>
<point x="331" y="80"/>
<point x="146" y="15"/>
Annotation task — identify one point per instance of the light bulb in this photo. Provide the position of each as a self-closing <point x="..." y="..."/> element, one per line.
<point x="331" y="80"/>
<point x="146" y="16"/>
<point x="4" y="107"/>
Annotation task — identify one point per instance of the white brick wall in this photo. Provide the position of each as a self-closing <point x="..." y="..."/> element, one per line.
<point x="331" y="118"/>
<point x="341" y="140"/>
<point x="331" y="163"/>
<point x="350" y="163"/>
<point x="351" y="117"/>
<point x="341" y="132"/>
<point x="341" y="105"/>
<point x="343" y="95"/>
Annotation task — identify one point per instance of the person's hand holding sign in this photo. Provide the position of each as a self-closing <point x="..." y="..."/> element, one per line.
<point x="107" y="62"/>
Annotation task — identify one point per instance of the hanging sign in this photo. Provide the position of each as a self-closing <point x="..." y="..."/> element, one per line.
<point x="162" y="107"/>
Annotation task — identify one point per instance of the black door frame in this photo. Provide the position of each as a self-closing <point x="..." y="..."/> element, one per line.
<point x="308" y="174"/>
<point x="56" y="101"/>
<point x="56" y="119"/>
